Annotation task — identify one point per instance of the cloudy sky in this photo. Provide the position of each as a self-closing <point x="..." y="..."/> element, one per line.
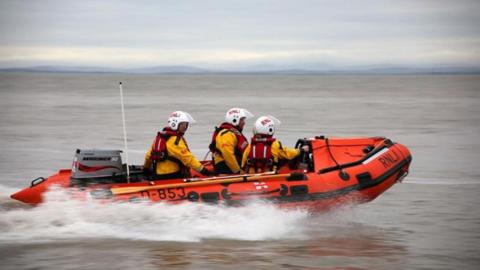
<point x="240" y="34"/>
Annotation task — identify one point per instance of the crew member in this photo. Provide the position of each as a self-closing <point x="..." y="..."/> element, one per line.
<point x="169" y="156"/>
<point x="228" y="142"/>
<point x="265" y="152"/>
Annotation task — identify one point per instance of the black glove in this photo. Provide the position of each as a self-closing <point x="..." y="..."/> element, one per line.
<point x="206" y="172"/>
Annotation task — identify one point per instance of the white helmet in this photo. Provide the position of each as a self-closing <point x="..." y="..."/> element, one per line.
<point x="265" y="125"/>
<point x="178" y="117"/>
<point x="234" y="115"/>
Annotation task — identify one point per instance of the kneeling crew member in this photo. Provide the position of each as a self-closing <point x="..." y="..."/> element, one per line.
<point x="228" y="142"/>
<point x="264" y="152"/>
<point x="169" y="156"/>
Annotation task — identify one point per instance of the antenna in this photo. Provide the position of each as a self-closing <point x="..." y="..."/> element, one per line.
<point x="124" y="131"/>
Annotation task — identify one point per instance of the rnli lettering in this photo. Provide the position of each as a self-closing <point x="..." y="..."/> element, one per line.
<point x="388" y="159"/>
<point x="166" y="193"/>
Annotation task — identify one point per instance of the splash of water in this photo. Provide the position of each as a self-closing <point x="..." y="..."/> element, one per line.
<point x="61" y="218"/>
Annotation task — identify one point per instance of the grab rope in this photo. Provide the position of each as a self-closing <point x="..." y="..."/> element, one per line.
<point x="342" y="173"/>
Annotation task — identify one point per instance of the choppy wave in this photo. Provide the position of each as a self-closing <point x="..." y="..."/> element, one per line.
<point x="61" y="218"/>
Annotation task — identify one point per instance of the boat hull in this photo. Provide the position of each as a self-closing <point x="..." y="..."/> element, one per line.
<point x="346" y="175"/>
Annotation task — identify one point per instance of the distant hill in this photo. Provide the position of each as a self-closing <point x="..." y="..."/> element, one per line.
<point x="194" y="70"/>
<point x="83" y="69"/>
<point x="167" y="70"/>
<point x="62" y="69"/>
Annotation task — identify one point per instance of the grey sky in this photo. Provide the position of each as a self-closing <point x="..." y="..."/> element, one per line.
<point x="240" y="34"/>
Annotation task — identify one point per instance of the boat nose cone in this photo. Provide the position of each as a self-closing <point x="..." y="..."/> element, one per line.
<point x="22" y="195"/>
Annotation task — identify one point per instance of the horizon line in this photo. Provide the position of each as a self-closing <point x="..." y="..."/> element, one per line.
<point x="184" y="69"/>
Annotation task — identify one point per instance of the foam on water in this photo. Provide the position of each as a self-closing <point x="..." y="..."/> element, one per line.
<point x="61" y="218"/>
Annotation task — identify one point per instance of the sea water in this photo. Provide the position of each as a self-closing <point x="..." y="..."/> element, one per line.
<point x="431" y="221"/>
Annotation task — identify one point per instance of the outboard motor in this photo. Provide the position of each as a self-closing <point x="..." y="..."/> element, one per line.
<point x="97" y="167"/>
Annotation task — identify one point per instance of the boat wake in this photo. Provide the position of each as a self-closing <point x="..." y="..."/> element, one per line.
<point x="61" y="218"/>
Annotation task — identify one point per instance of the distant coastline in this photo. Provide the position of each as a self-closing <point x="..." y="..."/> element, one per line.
<point x="188" y="70"/>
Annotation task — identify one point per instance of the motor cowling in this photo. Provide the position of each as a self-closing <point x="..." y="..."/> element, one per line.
<point x="96" y="164"/>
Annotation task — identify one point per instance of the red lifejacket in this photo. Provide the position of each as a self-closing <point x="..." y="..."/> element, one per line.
<point x="260" y="157"/>
<point x="159" y="148"/>
<point x="242" y="142"/>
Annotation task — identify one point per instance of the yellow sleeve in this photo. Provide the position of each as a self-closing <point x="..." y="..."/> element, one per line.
<point x="226" y="144"/>
<point x="181" y="152"/>
<point x="147" y="164"/>
<point x="283" y="152"/>
<point x="245" y="156"/>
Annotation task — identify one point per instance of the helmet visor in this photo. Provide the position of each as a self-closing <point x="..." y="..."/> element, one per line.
<point x="190" y="118"/>
<point x="275" y="120"/>
<point x="246" y="114"/>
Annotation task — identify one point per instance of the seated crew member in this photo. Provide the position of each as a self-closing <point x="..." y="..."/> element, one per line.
<point x="265" y="152"/>
<point x="169" y="156"/>
<point x="228" y="142"/>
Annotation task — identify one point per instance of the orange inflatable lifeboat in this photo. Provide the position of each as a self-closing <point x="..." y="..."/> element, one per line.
<point x="337" y="171"/>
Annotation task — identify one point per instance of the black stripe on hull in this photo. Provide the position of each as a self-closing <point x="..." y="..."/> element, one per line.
<point x="344" y="191"/>
<point x="324" y="195"/>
